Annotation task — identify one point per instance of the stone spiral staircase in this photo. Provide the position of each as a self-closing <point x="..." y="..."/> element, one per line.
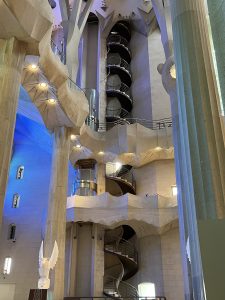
<point x="123" y="177"/>
<point x="121" y="263"/>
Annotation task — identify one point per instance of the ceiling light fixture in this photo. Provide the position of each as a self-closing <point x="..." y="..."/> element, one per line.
<point x="158" y="148"/>
<point x="33" y="67"/>
<point x="73" y="137"/>
<point x="43" y="85"/>
<point x="101" y="152"/>
<point x="51" y="101"/>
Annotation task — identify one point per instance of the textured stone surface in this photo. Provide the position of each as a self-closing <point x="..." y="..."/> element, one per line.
<point x="12" y="54"/>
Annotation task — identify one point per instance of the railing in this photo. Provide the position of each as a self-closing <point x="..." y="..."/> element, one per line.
<point x="115" y="60"/>
<point x="110" y="298"/>
<point x="124" y="248"/>
<point x="127" y="177"/>
<point x="59" y="52"/>
<point x="154" y="125"/>
<point x="114" y="287"/>
<point x="121" y="87"/>
<point x="85" y="183"/>
<point x="118" y="39"/>
<point x="116" y="112"/>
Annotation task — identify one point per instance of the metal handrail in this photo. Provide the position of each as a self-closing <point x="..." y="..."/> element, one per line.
<point x="118" y="112"/>
<point x="127" y="177"/>
<point x="153" y="125"/>
<point x="124" y="248"/>
<point x="121" y="288"/>
<point x="110" y="298"/>
<point x="59" y="52"/>
<point x="118" y="39"/>
<point x="120" y="63"/>
<point x="122" y="87"/>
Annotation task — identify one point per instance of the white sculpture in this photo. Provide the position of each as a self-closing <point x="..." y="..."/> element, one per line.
<point x="45" y="264"/>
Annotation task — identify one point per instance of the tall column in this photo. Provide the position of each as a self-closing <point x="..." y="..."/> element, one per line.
<point x="217" y="21"/>
<point x="97" y="272"/>
<point x="201" y="148"/>
<point x="12" y="54"/>
<point x="56" y="219"/>
<point x="101" y="178"/>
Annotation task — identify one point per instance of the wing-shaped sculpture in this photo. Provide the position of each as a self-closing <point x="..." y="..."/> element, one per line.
<point x="54" y="256"/>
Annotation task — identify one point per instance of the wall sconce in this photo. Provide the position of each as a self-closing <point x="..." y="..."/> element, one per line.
<point x="7" y="266"/>
<point x="174" y="190"/>
<point x="20" y="172"/>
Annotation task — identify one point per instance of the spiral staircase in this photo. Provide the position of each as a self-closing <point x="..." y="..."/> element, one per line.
<point x="119" y="79"/>
<point x="123" y="177"/>
<point x="121" y="263"/>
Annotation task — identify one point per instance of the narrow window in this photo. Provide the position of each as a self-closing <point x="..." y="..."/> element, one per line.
<point x="7" y="265"/>
<point x="20" y="172"/>
<point x="146" y="290"/>
<point x="174" y="190"/>
<point x="12" y="232"/>
<point x="16" y="200"/>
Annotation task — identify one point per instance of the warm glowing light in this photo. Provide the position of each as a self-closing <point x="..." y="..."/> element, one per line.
<point x="173" y="72"/>
<point x="7" y="265"/>
<point x="101" y="153"/>
<point x="78" y="146"/>
<point x="43" y="85"/>
<point x="33" y="67"/>
<point x="73" y="137"/>
<point x="118" y="165"/>
<point x="174" y="190"/>
<point x="158" y="148"/>
<point x="51" y="101"/>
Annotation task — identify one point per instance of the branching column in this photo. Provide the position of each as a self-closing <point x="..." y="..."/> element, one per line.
<point x="201" y="148"/>
<point x="56" y="219"/>
<point x="12" y="53"/>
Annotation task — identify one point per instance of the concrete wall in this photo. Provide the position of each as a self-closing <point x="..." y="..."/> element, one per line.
<point x="33" y="189"/>
<point x="160" y="101"/>
<point x="141" y="89"/>
<point x="150" y="263"/>
<point x="155" y="178"/>
<point x="160" y="263"/>
<point x="172" y="267"/>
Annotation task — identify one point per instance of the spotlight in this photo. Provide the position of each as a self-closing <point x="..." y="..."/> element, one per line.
<point x="158" y="148"/>
<point x="51" y="101"/>
<point x="33" y="67"/>
<point x="73" y="137"/>
<point x="78" y="146"/>
<point x="101" y="153"/>
<point x="43" y="85"/>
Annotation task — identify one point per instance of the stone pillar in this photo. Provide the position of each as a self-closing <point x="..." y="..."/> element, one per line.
<point x="201" y="148"/>
<point x="217" y="20"/>
<point x="97" y="273"/>
<point x="12" y="54"/>
<point x="101" y="178"/>
<point x="56" y="219"/>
